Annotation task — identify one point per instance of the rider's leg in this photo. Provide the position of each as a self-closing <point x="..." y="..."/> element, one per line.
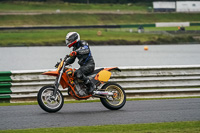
<point x="79" y="74"/>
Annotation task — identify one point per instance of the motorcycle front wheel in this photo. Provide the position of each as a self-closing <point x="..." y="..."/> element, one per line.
<point x="116" y="101"/>
<point x="47" y="101"/>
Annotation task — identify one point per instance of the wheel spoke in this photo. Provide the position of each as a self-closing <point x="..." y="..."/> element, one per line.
<point x="49" y="101"/>
<point x="117" y="98"/>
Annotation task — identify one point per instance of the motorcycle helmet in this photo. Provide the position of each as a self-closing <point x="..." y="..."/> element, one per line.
<point x="72" y="38"/>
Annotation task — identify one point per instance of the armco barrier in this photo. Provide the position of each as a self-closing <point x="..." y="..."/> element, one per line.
<point x="138" y="82"/>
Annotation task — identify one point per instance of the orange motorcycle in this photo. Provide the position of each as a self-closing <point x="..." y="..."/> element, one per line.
<point x="111" y="94"/>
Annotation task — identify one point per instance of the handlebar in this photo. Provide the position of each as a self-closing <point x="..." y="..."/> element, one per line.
<point x="66" y="57"/>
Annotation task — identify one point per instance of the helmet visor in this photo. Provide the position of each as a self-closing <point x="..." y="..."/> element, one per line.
<point x="70" y="39"/>
<point x="67" y="42"/>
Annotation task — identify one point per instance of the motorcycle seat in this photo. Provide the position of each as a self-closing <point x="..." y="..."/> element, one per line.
<point x="95" y="71"/>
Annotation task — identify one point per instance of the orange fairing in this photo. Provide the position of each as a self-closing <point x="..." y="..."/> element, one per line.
<point x="55" y="73"/>
<point x="103" y="76"/>
<point x="64" y="80"/>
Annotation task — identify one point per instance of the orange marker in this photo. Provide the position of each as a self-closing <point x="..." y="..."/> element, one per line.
<point x="146" y="48"/>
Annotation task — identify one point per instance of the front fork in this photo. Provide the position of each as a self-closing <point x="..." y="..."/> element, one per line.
<point x="57" y="82"/>
<point x="56" y="85"/>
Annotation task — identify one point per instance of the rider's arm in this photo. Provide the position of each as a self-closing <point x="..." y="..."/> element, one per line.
<point x="70" y="60"/>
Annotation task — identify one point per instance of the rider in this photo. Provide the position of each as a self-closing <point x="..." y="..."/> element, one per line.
<point x="82" y="51"/>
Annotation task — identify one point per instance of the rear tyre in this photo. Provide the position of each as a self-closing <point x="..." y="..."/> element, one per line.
<point x="118" y="100"/>
<point x="47" y="101"/>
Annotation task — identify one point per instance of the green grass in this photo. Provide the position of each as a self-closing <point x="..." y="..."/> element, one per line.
<point x="57" y="37"/>
<point x="95" y="19"/>
<point x="30" y="37"/>
<point x="41" y="7"/>
<point x="53" y="37"/>
<point x="168" y="127"/>
<point x="111" y="36"/>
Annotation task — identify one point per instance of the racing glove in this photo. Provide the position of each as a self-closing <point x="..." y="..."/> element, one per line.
<point x="73" y="53"/>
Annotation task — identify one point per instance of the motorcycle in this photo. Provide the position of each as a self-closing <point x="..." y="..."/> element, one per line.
<point x="111" y="94"/>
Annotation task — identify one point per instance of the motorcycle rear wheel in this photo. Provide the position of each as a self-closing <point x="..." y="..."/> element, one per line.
<point x="118" y="100"/>
<point x="46" y="100"/>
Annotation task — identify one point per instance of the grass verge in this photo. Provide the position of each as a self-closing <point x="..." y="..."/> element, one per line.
<point x="52" y="6"/>
<point x="168" y="127"/>
<point x="95" y="19"/>
<point x="108" y="37"/>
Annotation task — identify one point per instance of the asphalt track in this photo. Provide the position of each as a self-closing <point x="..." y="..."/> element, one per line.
<point x="87" y="114"/>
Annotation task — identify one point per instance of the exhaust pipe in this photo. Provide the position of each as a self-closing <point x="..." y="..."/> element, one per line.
<point x="104" y="93"/>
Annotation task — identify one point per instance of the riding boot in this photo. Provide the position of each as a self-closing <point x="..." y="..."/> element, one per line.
<point x="90" y="86"/>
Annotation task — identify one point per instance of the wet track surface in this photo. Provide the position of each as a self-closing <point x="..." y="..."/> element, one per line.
<point x="86" y="114"/>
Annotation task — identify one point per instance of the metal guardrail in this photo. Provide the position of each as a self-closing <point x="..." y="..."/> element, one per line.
<point x="138" y="82"/>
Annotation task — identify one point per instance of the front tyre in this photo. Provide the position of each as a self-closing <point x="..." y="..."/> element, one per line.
<point x="47" y="101"/>
<point x="116" y="101"/>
